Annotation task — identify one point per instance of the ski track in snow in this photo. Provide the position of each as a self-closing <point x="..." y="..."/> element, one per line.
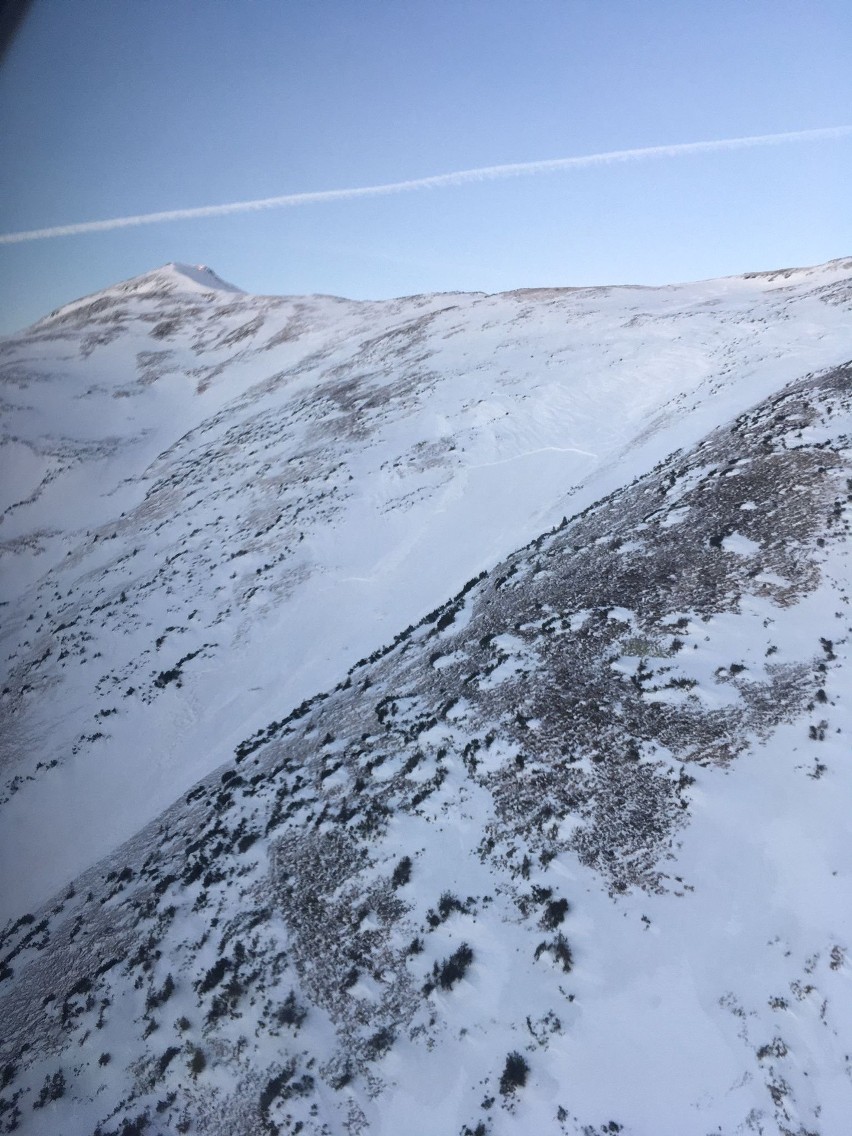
<point x="533" y="453"/>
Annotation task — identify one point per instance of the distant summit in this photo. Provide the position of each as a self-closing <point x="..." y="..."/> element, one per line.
<point x="199" y="274"/>
<point x="171" y="279"/>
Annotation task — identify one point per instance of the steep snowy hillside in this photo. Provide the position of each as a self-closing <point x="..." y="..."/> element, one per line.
<point x="216" y="503"/>
<point x="570" y="856"/>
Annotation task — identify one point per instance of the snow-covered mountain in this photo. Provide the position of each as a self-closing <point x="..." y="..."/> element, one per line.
<point x="564" y="853"/>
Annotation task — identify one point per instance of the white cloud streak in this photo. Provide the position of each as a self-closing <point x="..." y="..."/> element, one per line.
<point x="438" y="181"/>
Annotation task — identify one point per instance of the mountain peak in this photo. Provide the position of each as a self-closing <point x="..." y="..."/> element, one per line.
<point x="169" y="280"/>
<point x="195" y="276"/>
<point x="176" y="277"/>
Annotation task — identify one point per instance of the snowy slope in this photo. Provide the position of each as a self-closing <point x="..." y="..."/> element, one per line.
<point x="570" y="856"/>
<point x="215" y="503"/>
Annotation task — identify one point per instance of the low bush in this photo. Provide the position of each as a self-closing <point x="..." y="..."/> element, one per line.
<point x="514" y="1075"/>
<point x="402" y="872"/>
<point x="559" y="949"/>
<point x="447" y="973"/>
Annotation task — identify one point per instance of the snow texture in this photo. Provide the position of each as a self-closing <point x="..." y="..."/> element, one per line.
<point x="564" y="853"/>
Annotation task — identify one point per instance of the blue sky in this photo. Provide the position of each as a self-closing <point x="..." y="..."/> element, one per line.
<point x="118" y="107"/>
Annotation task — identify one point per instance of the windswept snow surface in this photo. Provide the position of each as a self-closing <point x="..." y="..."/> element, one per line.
<point x="215" y="503"/>
<point x="569" y="856"/>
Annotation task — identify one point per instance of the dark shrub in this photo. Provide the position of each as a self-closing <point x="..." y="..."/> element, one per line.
<point x="448" y="973"/>
<point x="52" y="1089"/>
<point x="380" y="1043"/>
<point x="554" y="914"/>
<point x="158" y="997"/>
<point x="448" y="903"/>
<point x="167" y="1058"/>
<point x="560" y="950"/>
<point x="214" y="975"/>
<point x="514" y="1075"/>
<point x="290" y="1013"/>
<point x="402" y="872"/>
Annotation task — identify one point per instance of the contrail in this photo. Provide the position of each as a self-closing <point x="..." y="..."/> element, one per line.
<point x="460" y="177"/>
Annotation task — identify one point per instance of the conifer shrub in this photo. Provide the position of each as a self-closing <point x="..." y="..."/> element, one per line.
<point x="514" y="1075"/>
<point x="447" y="973"/>
<point x="402" y="872"/>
